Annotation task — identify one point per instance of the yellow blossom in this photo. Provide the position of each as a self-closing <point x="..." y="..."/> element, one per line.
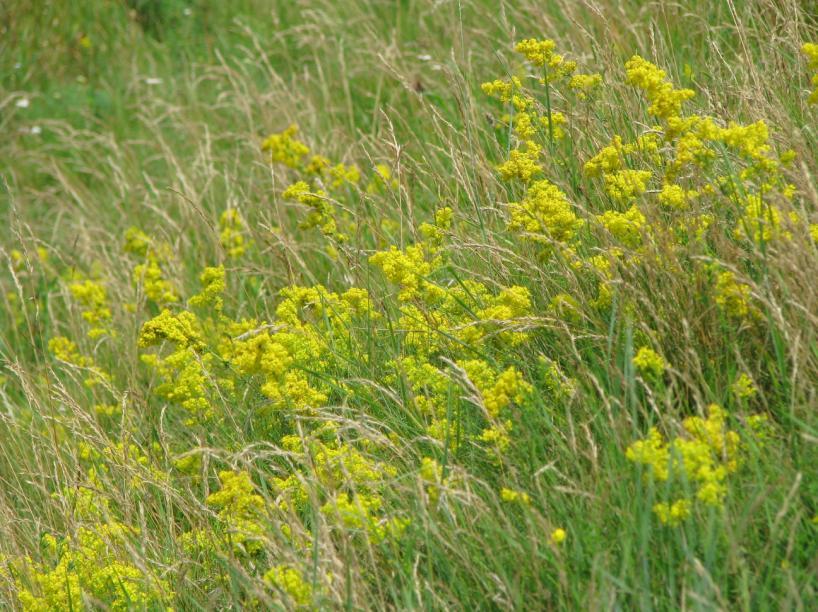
<point x="665" y="100"/>
<point x="649" y="362"/>
<point x="558" y="536"/>
<point x="285" y="149"/>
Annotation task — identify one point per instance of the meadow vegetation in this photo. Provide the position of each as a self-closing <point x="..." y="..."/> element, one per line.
<point x="456" y="304"/>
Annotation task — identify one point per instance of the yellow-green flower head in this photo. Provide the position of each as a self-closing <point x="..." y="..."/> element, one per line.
<point x="231" y="234"/>
<point x="321" y="213"/>
<point x="743" y="387"/>
<point x="502" y="90"/>
<point x="213" y="286"/>
<point x="673" y="514"/>
<point x="761" y="221"/>
<point x="66" y="350"/>
<point x="91" y="571"/>
<point x="318" y="165"/>
<point x="407" y="269"/>
<point x="751" y="141"/>
<point x="704" y="457"/>
<point x="608" y="160"/>
<point x="665" y="100"/>
<point x="558" y="536"/>
<point x="732" y="296"/>
<point x="382" y="180"/>
<point x="182" y="329"/>
<point x="522" y="164"/>
<point x="675" y="197"/>
<point x="137" y="242"/>
<point x="151" y="277"/>
<point x="343" y="175"/>
<point x="625" y="185"/>
<point x="541" y="54"/>
<point x="585" y="84"/>
<point x="515" y="497"/>
<point x="240" y="510"/>
<point x="92" y="298"/>
<point x="285" y="149"/>
<point x="649" y="362"/>
<point x="544" y="215"/>
<point x="538" y="52"/>
<point x="626" y="227"/>
<point x="292" y="582"/>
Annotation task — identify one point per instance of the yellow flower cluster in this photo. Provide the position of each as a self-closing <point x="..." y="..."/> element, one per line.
<point x="665" y="100"/>
<point x="381" y="180"/>
<point x="408" y="269"/>
<point x="326" y="183"/>
<point x="558" y="536"/>
<point x="733" y="296"/>
<point x="703" y="457"/>
<point x="649" y="362"/>
<point x="523" y="163"/>
<point x="585" y="84"/>
<point x="627" y="227"/>
<point x="743" y="387"/>
<point x="231" y="233"/>
<point x="285" y="149"/>
<point x="625" y="185"/>
<point x="699" y="166"/>
<point x="183" y="373"/>
<point x="541" y="54"/>
<point x="149" y="274"/>
<point x="291" y="582"/>
<point x="515" y="497"/>
<point x="676" y="197"/>
<point x="66" y="350"/>
<point x="213" y="284"/>
<point x="241" y="511"/>
<point x="349" y="483"/>
<point x="530" y="118"/>
<point x="544" y="215"/>
<point x="495" y="392"/>
<point x="321" y="213"/>
<point x="90" y="566"/>
<point x="310" y="321"/>
<point x="92" y="299"/>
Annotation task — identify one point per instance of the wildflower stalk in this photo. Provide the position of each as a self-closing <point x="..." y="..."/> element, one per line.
<point x="548" y="106"/>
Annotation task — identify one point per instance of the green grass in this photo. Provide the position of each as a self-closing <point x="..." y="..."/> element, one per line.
<point x="151" y="113"/>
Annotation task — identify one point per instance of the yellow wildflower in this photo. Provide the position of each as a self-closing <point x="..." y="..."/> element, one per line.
<point x="649" y="362"/>
<point x="625" y="185"/>
<point x="544" y="215"/>
<point x="585" y="84"/>
<point x="558" y="536"/>
<point x="665" y="100"/>
<point x="732" y="296"/>
<point x="290" y="581"/>
<point x="285" y="149"/>
<point x="93" y="301"/>
<point x="515" y="497"/>
<point x="231" y="235"/>
<point x="522" y="164"/>
<point x="626" y="227"/>
<point x="743" y="387"/>
<point x="673" y="514"/>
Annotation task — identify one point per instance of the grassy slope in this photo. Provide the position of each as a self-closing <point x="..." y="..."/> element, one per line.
<point x="116" y="151"/>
